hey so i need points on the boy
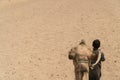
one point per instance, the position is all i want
(95, 73)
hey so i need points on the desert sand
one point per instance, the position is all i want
(36, 35)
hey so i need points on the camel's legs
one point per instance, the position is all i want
(85, 76)
(78, 75)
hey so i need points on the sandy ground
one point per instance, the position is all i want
(36, 35)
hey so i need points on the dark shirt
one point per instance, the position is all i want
(97, 51)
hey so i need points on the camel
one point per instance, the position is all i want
(81, 56)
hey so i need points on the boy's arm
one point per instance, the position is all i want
(98, 59)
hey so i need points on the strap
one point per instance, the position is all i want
(82, 61)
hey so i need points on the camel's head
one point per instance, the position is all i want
(72, 53)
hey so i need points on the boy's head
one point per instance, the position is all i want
(96, 43)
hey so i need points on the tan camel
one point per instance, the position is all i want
(81, 56)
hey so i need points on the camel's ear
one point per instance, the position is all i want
(82, 42)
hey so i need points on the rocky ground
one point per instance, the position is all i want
(36, 35)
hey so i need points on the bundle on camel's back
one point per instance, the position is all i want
(81, 56)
